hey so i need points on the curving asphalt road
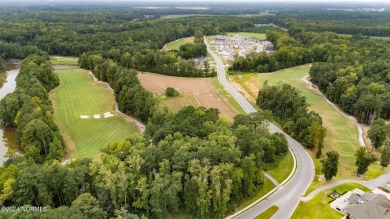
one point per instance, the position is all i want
(288, 196)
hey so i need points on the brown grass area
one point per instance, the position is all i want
(193, 91)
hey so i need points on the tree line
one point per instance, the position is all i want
(29, 110)
(130, 96)
(2, 64)
(192, 160)
(289, 109)
(351, 72)
(127, 39)
(353, 22)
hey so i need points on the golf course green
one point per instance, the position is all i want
(85, 113)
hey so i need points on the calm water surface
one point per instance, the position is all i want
(7, 85)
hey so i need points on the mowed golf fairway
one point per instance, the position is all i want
(341, 135)
(78, 94)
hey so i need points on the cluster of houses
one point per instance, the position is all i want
(357, 204)
(232, 46)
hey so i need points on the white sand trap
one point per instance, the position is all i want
(108, 115)
(84, 116)
(96, 116)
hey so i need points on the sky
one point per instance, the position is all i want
(210, 1)
(204, 2)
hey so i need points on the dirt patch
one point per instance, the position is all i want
(365, 132)
(194, 91)
(321, 178)
(242, 91)
(251, 84)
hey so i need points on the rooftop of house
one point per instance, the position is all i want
(369, 206)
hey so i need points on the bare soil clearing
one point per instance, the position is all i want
(194, 91)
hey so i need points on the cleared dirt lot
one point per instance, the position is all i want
(193, 91)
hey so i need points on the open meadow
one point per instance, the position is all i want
(85, 113)
(342, 134)
(175, 45)
(193, 91)
(63, 60)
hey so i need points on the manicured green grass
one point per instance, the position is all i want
(62, 60)
(229, 97)
(267, 187)
(79, 95)
(175, 45)
(176, 103)
(268, 213)
(341, 135)
(261, 36)
(385, 38)
(176, 16)
(381, 38)
(284, 169)
(319, 206)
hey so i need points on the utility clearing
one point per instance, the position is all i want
(85, 112)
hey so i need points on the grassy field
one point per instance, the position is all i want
(319, 206)
(175, 45)
(373, 37)
(268, 213)
(284, 169)
(381, 38)
(79, 95)
(342, 134)
(176, 16)
(261, 36)
(61, 60)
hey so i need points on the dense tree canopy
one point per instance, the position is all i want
(289, 108)
(191, 160)
(2, 65)
(29, 109)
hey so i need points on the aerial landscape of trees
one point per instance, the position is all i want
(191, 155)
(29, 110)
(289, 108)
(192, 161)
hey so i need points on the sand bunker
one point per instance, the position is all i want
(108, 115)
(98, 116)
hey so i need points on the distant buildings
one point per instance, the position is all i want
(232, 46)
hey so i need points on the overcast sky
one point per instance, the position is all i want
(207, 1)
(204, 2)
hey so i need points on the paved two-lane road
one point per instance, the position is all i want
(288, 196)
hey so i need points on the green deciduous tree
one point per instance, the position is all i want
(363, 160)
(385, 154)
(330, 165)
(378, 133)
